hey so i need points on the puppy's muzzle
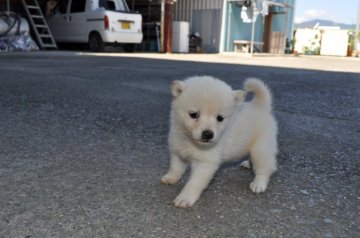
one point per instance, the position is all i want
(207, 135)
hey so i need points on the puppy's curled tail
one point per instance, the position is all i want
(262, 97)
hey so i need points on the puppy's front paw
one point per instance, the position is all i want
(185, 201)
(169, 179)
(259, 184)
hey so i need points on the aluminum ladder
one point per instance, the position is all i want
(39, 25)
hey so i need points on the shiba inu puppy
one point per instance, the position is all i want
(210, 124)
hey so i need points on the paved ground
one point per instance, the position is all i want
(83, 147)
(323, 63)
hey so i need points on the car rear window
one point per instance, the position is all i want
(78, 6)
(114, 5)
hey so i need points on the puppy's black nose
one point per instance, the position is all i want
(207, 135)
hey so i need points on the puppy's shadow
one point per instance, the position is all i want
(221, 173)
(236, 164)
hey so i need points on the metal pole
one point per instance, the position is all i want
(228, 26)
(162, 26)
(357, 32)
(286, 29)
(252, 28)
(148, 23)
(168, 26)
(8, 6)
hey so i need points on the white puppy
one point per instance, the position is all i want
(211, 124)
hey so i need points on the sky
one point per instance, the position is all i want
(344, 11)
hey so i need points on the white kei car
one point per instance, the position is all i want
(95, 22)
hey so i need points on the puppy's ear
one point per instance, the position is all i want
(177, 87)
(239, 95)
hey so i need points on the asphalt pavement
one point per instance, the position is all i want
(83, 145)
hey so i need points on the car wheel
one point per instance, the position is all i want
(95, 43)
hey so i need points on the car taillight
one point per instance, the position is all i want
(106, 22)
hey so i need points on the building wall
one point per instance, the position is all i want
(279, 21)
(219, 31)
(236, 29)
(183, 9)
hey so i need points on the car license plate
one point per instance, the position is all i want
(125, 25)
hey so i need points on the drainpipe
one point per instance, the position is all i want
(357, 32)
(168, 21)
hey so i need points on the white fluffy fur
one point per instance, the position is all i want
(248, 127)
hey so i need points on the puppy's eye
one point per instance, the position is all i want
(194, 115)
(219, 118)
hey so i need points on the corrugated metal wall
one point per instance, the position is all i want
(184, 8)
(208, 24)
(204, 17)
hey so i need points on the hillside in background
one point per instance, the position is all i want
(312, 23)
